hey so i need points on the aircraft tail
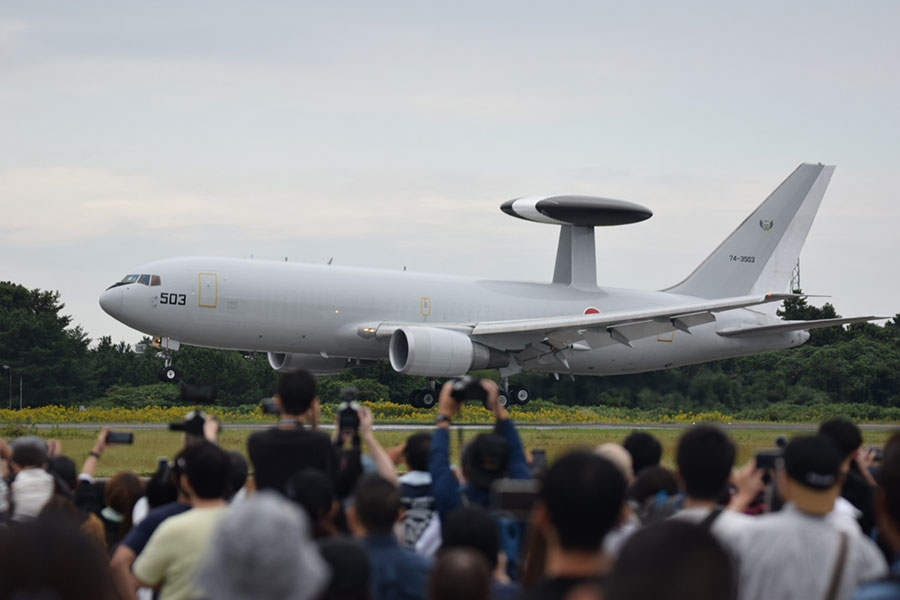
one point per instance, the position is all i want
(759, 256)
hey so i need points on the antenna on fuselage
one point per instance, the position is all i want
(577, 216)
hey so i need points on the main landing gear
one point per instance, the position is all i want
(509, 395)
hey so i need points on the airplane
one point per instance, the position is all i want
(327, 318)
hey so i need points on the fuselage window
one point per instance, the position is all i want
(154, 280)
(129, 279)
(144, 280)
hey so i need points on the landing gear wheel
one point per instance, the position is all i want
(168, 374)
(427, 399)
(503, 399)
(520, 395)
(415, 398)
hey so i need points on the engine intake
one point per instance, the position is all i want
(434, 352)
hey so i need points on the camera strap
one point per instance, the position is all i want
(289, 421)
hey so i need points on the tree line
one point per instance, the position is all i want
(58, 364)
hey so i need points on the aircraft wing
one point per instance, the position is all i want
(793, 326)
(553, 339)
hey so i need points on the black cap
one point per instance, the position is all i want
(485, 459)
(814, 461)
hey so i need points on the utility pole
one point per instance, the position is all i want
(20, 392)
(9, 370)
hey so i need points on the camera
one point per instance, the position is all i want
(514, 496)
(270, 407)
(767, 460)
(196, 393)
(192, 424)
(348, 411)
(120, 437)
(468, 388)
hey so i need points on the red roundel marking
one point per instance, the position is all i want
(591, 311)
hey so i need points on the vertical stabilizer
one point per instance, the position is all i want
(761, 253)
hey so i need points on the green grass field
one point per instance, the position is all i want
(150, 445)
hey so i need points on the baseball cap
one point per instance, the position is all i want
(485, 459)
(813, 461)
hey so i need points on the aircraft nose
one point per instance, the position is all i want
(111, 302)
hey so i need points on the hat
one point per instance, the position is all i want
(262, 549)
(813, 461)
(485, 459)
(617, 455)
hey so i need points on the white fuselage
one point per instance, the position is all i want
(321, 309)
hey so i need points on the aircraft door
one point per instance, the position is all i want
(209, 290)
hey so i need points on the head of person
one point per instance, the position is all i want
(580, 501)
(262, 548)
(51, 557)
(845, 435)
(811, 475)
(237, 473)
(161, 488)
(474, 528)
(204, 470)
(650, 482)
(63, 468)
(887, 497)
(415, 451)
(669, 560)
(460, 574)
(120, 494)
(645, 450)
(705, 457)
(351, 573)
(375, 506)
(313, 491)
(619, 456)
(297, 392)
(29, 452)
(485, 459)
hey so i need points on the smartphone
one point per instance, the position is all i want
(538, 462)
(120, 437)
(162, 464)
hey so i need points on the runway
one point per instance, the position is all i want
(537, 427)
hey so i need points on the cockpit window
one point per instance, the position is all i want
(143, 279)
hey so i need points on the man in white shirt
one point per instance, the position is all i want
(705, 459)
(797, 552)
(171, 557)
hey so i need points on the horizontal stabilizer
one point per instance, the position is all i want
(793, 326)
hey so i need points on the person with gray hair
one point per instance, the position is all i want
(262, 548)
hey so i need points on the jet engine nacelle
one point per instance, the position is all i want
(285, 362)
(435, 352)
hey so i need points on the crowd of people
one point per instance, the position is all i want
(314, 516)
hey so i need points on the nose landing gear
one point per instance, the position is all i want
(167, 348)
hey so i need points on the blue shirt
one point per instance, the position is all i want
(444, 484)
(397, 573)
(888, 589)
(140, 534)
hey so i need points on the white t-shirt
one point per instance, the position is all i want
(728, 527)
(791, 554)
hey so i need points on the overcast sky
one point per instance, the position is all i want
(387, 134)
